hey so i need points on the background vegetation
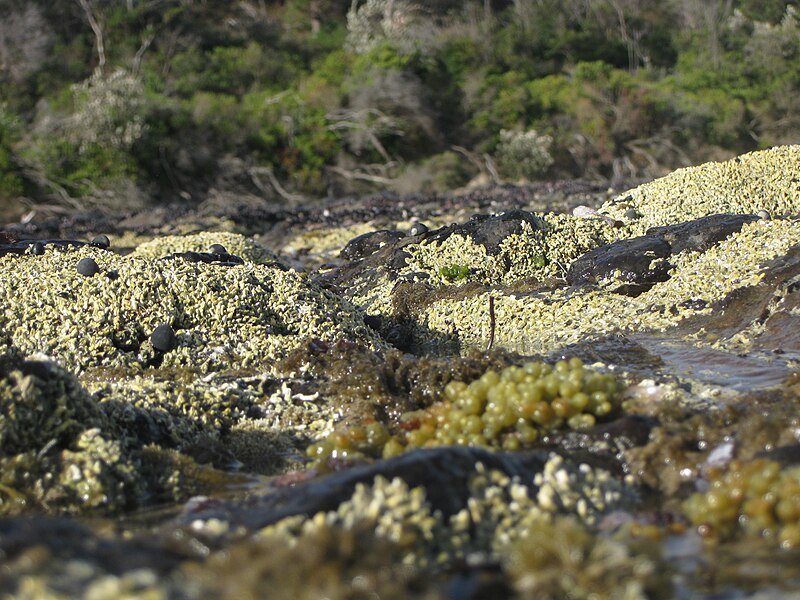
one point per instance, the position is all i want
(120, 103)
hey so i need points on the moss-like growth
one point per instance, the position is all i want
(455, 272)
(506, 410)
(754, 497)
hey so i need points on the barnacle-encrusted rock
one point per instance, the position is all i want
(241, 316)
(232, 243)
(763, 180)
(532, 248)
(57, 448)
(562, 559)
(221, 421)
(641, 262)
(535, 323)
(328, 562)
(498, 509)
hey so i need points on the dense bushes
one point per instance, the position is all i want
(330, 96)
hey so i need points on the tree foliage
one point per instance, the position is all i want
(307, 97)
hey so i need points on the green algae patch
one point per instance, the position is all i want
(541, 322)
(764, 180)
(233, 243)
(243, 316)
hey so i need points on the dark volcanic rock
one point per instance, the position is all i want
(368, 243)
(632, 260)
(641, 262)
(703, 233)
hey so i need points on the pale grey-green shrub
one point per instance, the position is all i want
(523, 154)
(109, 110)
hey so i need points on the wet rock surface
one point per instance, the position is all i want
(156, 417)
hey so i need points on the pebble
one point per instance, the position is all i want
(217, 249)
(163, 338)
(101, 241)
(87, 267)
(764, 214)
(37, 248)
(418, 229)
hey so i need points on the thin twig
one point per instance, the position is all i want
(492, 323)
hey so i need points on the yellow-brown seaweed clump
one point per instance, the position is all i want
(755, 497)
(506, 410)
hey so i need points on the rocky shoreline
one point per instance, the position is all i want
(619, 360)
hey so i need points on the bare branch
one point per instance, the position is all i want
(255, 172)
(98, 33)
(351, 175)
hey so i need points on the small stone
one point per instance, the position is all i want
(101, 241)
(764, 214)
(87, 267)
(163, 338)
(36, 248)
(418, 229)
(217, 249)
(632, 214)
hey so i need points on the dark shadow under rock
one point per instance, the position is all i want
(68, 539)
